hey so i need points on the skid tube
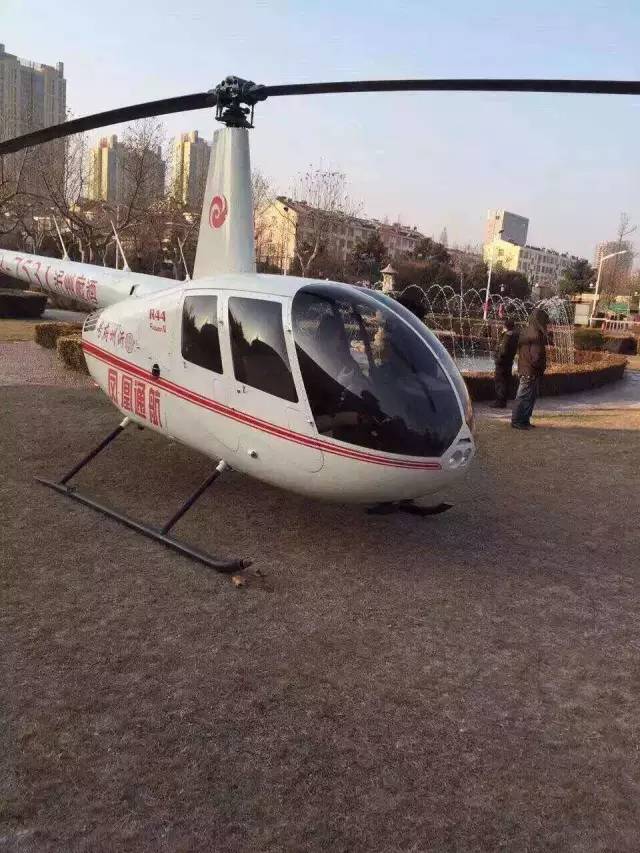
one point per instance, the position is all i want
(159, 534)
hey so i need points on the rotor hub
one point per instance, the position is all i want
(235, 101)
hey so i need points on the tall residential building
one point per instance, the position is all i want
(104, 170)
(32, 95)
(506, 245)
(284, 224)
(120, 175)
(507, 226)
(189, 166)
(617, 268)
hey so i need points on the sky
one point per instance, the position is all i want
(570, 163)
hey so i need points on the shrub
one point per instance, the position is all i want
(47, 334)
(8, 282)
(591, 370)
(69, 351)
(21, 303)
(589, 339)
(623, 344)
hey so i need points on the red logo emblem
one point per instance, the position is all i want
(218, 211)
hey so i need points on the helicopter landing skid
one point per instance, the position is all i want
(159, 534)
(408, 507)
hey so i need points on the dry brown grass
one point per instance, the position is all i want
(47, 334)
(634, 362)
(467, 682)
(69, 351)
(602, 419)
(17, 330)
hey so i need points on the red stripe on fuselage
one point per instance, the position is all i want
(242, 417)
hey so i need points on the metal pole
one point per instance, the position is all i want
(222, 466)
(597, 290)
(493, 249)
(113, 434)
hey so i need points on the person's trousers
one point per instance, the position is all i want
(502, 381)
(525, 400)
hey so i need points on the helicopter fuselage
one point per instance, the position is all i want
(138, 352)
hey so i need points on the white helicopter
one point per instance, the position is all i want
(326, 389)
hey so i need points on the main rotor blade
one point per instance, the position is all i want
(585, 87)
(198, 101)
(249, 93)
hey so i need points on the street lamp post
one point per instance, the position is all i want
(597, 290)
(491, 257)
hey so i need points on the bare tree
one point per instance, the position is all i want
(89, 222)
(324, 209)
(14, 179)
(142, 169)
(615, 277)
(262, 193)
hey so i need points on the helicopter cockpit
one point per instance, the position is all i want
(370, 379)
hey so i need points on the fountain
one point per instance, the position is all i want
(458, 319)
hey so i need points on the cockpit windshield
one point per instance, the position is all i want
(370, 380)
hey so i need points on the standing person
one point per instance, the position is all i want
(504, 355)
(532, 362)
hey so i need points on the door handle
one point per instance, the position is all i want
(155, 371)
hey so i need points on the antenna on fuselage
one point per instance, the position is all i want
(65, 254)
(126, 266)
(187, 277)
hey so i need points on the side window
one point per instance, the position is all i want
(200, 339)
(258, 347)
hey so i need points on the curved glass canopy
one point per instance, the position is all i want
(370, 379)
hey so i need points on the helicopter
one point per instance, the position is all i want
(326, 389)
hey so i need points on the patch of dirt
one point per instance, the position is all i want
(17, 330)
(465, 682)
(27, 363)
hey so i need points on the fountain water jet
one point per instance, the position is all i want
(458, 321)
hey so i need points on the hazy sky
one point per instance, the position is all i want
(570, 163)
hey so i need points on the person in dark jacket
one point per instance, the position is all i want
(532, 362)
(504, 355)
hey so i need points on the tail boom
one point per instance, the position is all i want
(91, 286)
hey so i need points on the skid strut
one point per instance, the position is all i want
(161, 534)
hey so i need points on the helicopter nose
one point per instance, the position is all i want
(460, 455)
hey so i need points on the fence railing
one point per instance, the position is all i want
(632, 326)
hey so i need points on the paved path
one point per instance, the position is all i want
(620, 395)
(27, 363)
(60, 316)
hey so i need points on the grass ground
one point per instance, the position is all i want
(17, 330)
(634, 362)
(466, 682)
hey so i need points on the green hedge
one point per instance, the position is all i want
(8, 282)
(21, 304)
(561, 379)
(70, 352)
(47, 334)
(622, 344)
(588, 339)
